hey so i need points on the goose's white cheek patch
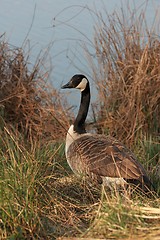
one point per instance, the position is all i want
(82, 84)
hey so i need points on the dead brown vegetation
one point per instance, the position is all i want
(26, 101)
(127, 75)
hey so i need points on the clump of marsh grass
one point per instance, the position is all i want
(26, 99)
(127, 74)
(23, 172)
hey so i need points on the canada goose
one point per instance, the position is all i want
(97, 156)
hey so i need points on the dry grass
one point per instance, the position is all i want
(26, 100)
(127, 74)
(25, 172)
(121, 218)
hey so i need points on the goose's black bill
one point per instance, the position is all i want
(68, 85)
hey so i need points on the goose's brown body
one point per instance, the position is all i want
(97, 156)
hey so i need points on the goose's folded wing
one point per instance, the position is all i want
(106, 157)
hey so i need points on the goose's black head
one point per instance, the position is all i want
(78, 81)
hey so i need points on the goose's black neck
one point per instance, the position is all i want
(79, 123)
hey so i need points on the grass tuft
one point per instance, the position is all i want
(126, 73)
(24, 174)
(27, 101)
